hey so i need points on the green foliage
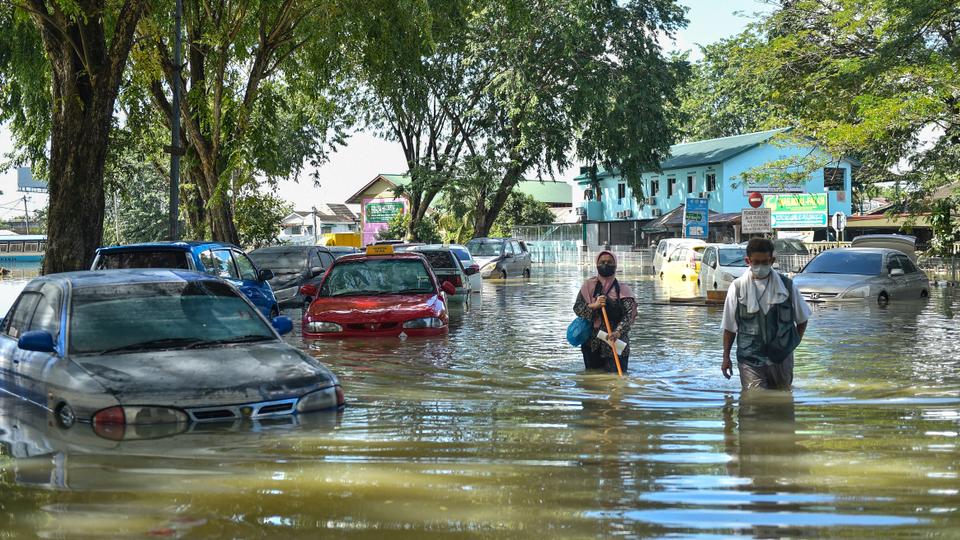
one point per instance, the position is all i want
(137, 192)
(521, 209)
(258, 217)
(946, 226)
(426, 230)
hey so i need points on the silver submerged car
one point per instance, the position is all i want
(876, 274)
(122, 347)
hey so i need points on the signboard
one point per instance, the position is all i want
(797, 211)
(839, 222)
(755, 220)
(376, 215)
(696, 214)
(27, 183)
(772, 187)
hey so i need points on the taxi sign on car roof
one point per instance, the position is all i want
(380, 250)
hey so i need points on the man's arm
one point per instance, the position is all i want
(801, 328)
(727, 366)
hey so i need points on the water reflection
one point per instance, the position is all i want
(495, 430)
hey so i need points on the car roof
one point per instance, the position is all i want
(283, 249)
(98, 278)
(396, 255)
(188, 245)
(865, 250)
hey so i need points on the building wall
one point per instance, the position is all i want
(725, 198)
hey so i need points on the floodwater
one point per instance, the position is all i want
(496, 431)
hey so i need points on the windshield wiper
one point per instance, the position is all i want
(165, 343)
(248, 338)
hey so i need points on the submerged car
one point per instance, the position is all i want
(380, 294)
(448, 267)
(720, 266)
(125, 347)
(666, 246)
(875, 274)
(292, 268)
(683, 264)
(215, 258)
(500, 257)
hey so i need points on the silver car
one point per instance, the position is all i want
(122, 347)
(875, 274)
(501, 257)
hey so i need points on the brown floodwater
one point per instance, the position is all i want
(496, 431)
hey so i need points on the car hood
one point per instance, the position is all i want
(483, 261)
(830, 283)
(735, 271)
(386, 308)
(284, 280)
(242, 373)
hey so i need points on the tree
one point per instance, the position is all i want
(399, 229)
(259, 216)
(569, 78)
(872, 79)
(521, 209)
(261, 91)
(85, 47)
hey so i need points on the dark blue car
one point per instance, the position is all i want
(215, 258)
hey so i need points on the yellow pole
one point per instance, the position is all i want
(616, 357)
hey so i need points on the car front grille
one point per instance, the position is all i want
(372, 327)
(250, 410)
(810, 295)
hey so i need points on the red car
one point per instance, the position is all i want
(380, 294)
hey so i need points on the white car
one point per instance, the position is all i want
(666, 247)
(721, 264)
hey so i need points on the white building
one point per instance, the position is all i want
(305, 227)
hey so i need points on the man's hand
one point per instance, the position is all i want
(727, 366)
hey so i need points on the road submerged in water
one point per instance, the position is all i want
(496, 431)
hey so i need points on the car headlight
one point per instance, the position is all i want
(328, 398)
(427, 322)
(317, 327)
(857, 292)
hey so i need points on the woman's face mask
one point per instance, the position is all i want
(606, 269)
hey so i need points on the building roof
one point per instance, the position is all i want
(392, 181)
(547, 191)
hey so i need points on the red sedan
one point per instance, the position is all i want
(378, 294)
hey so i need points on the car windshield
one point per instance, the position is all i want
(845, 262)
(151, 316)
(114, 260)
(440, 260)
(733, 257)
(485, 248)
(280, 261)
(376, 277)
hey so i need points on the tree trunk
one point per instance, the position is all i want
(84, 92)
(191, 200)
(484, 220)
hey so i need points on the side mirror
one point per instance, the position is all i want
(37, 340)
(309, 290)
(448, 288)
(470, 270)
(283, 325)
(508, 255)
(265, 275)
(896, 272)
(316, 271)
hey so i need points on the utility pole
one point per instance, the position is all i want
(315, 237)
(26, 217)
(175, 150)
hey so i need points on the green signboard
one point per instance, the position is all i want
(382, 212)
(797, 210)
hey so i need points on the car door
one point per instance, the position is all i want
(915, 281)
(708, 269)
(248, 280)
(896, 285)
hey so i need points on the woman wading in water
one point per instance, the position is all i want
(604, 291)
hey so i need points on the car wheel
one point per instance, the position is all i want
(924, 293)
(503, 274)
(683, 277)
(526, 273)
(661, 276)
(883, 299)
(715, 286)
(274, 312)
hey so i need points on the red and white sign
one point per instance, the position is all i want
(755, 199)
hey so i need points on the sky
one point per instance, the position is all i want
(365, 156)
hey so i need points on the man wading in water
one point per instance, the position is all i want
(605, 291)
(767, 316)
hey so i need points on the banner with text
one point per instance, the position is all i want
(797, 210)
(376, 215)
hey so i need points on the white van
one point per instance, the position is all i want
(667, 245)
(721, 264)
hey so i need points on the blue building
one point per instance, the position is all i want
(713, 169)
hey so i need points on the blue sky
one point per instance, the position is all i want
(366, 156)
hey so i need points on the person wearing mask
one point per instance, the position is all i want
(605, 291)
(767, 316)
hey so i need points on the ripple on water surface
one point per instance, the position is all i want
(495, 430)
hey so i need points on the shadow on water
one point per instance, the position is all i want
(495, 430)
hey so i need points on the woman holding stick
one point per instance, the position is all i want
(600, 294)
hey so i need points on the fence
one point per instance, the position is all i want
(941, 267)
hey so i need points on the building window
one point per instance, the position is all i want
(711, 182)
(654, 188)
(621, 191)
(690, 185)
(671, 186)
(833, 178)
(295, 230)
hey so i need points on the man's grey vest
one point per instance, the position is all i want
(770, 337)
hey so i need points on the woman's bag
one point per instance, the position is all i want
(579, 331)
